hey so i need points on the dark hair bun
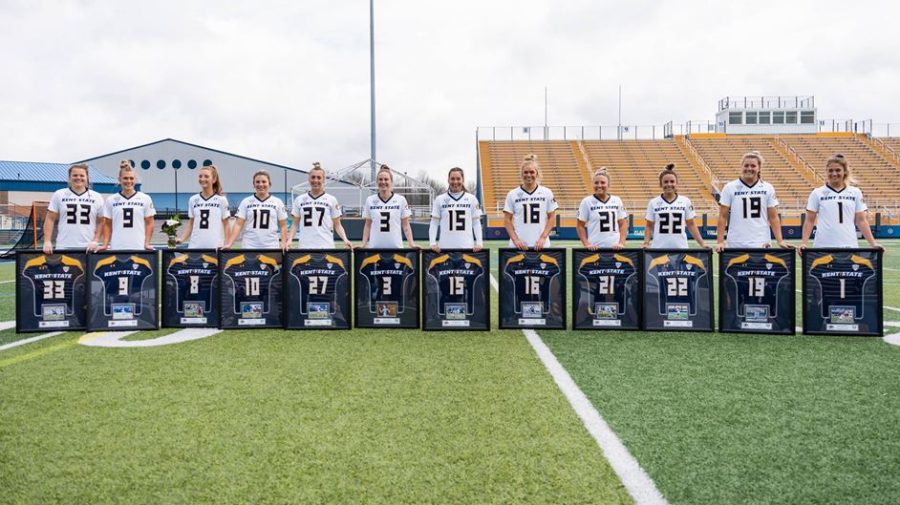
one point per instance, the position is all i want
(670, 166)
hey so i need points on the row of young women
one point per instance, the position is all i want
(125, 220)
(747, 208)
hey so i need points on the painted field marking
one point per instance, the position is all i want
(38, 353)
(7, 282)
(636, 481)
(114, 338)
(37, 338)
(5, 325)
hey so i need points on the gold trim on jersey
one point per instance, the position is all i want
(859, 260)
(740, 259)
(549, 259)
(662, 260)
(105, 261)
(437, 261)
(141, 261)
(472, 259)
(370, 260)
(335, 260)
(824, 260)
(237, 260)
(775, 259)
(692, 260)
(515, 259)
(301, 260)
(267, 260)
(623, 259)
(403, 260)
(590, 259)
(36, 262)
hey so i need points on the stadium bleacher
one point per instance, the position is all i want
(794, 165)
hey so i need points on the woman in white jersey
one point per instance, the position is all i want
(208, 213)
(263, 215)
(602, 219)
(129, 214)
(317, 214)
(837, 208)
(457, 214)
(669, 215)
(386, 213)
(529, 210)
(748, 208)
(80, 208)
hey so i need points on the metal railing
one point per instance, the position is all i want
(767, 102)
(800, 160)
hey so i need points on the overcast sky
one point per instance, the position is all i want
(288, 82)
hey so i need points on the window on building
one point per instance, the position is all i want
(807, 117)
(790, 117)
(192, 164)
(145, 164)
(765, 117)
(176, 164)
(735, 117)
(778, 117)
(751, 117)
(160, 164)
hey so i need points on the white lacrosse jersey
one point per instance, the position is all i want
(670, 221)
(602, 219)
(315, 216)
(78, 215)
(127, 215)
(836, 220)
(457, 214)
(529, 212)
(748, 217)
(386, 217)
(208, 230)
(261, 217)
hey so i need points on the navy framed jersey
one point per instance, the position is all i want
(250, 283)
(457, 284)
(606, 292)
(842, 292)
(50, 291)
(123, 290)
(757, 291)
(387, 288)
(678, 290)
(317, 289)
(533, 288)
(190, 288)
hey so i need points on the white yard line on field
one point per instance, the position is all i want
(7, 282)
(29, 340)
(5, 325)
(636, 481)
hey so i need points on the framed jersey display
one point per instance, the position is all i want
(190, 290)
(533, 288)
(756, 291)
(387, 288)
(457, 295)
(123, 290)
(250, 282)
(50, 291)
(842, 292)
(317, 289)
(606, 293)
(678, 290)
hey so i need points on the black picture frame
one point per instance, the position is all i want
(27, 318)
(341, 317)
(271, 318)
(813, 323)
(408, 317)
(480, 318)
(633, 318)
(556, 318)
(785, 322)
(148, 315)
(173, 313)
(677, 321)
